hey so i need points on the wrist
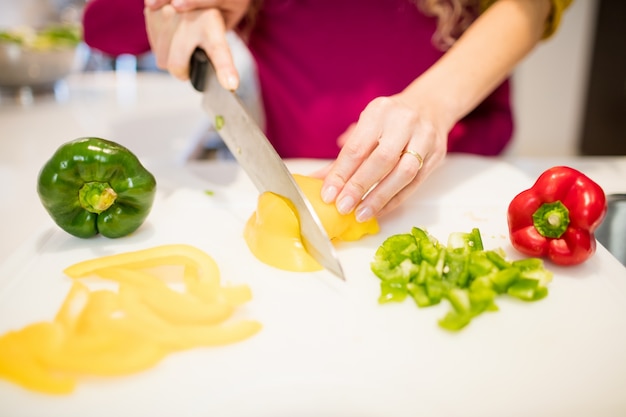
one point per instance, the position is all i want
(431, 100)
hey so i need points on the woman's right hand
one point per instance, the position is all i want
(175, 28)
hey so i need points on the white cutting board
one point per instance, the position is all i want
(327, 348)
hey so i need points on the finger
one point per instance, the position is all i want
(362, 140)
(160, 27)
(217, 48)
(382, 160)
(187, 5)
(343, 138)
(204, 28)
(155, 4)
(390, 191)
(183, 43)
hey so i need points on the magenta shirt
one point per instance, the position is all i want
(321, 61)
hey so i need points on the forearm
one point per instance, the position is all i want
(481, 59)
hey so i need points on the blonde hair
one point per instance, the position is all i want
(453, 18)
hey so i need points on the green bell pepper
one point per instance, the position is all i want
(92, 185)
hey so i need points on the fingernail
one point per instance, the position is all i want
(363, 214)
(177, 3)
(345, 205)
(329, 194)
(231, 82)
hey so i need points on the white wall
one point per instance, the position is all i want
(550, 87)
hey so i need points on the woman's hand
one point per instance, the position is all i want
(384, 157)
(378, 167)
(176, 28)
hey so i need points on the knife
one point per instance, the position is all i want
(258, 158)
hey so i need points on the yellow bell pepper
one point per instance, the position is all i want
(273, 231)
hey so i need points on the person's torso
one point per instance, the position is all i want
(320, 62)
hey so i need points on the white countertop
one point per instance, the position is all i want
(327, 347)
(157, 117)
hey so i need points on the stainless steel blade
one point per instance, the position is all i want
(259, 159)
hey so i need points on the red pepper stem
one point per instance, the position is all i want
(551, 219)
(96, 197)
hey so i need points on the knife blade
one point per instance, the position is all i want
(258, 158)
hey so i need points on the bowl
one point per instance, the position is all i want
(25, 67)
(37, 57)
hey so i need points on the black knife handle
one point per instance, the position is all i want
(198, 67)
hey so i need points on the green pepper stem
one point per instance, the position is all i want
(96, 197)
(551, 219)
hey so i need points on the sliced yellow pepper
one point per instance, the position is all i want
(273, 235)
(273, 231)
(172, 305)
(175, 254)
(342, 227)
(109, 333)
(70, 310)
(176, 336)
(21, 354)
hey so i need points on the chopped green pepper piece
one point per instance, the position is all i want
(503, 279)
(418, 292)
(457, 268)
(466, 242)
(480, 264)
(527, 290)
(460, 300)
(434, 288)
(482, 299)
(392, 291)
(497, 259)
(429, 248)
(219, 122)
(454, 321)
(528, 264)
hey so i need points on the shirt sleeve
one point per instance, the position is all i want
(553, 20)
(115, 27)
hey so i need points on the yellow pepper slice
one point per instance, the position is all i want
(21, 354)
(175, 336)
(123, 353)
(169, 304)
(72, 306)
(174, 254)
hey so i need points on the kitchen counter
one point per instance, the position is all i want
(326, 346)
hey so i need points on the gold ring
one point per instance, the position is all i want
(416, 155)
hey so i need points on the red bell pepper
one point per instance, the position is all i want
(557, 216)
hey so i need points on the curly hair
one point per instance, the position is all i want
(453, 18)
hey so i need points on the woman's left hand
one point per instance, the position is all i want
(384, 157)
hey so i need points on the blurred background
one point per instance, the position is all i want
(569, 94)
